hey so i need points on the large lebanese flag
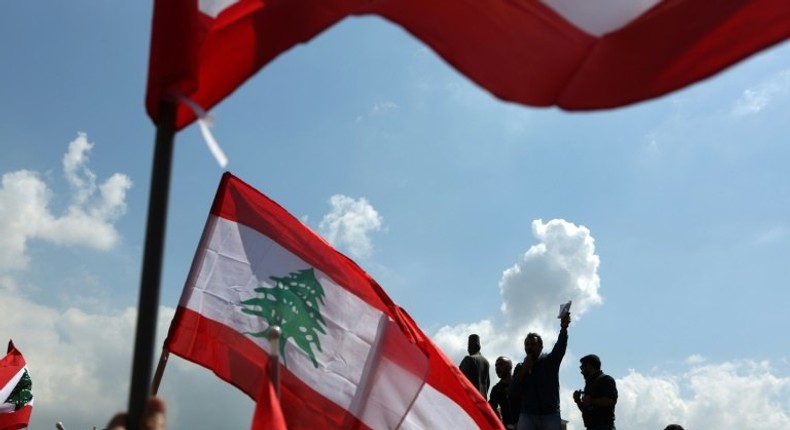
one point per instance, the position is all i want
(350, 357)
(16, 399)
(575, 54)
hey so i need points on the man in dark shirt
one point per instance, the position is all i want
(475, 366)
(536, 382)
(499, 400)
(599, 397)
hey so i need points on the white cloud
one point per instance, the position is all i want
(25, 211)
(349, 224)
(724, 396)
(562, 266)
(754, 100)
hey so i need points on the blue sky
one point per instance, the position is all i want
(667, 222)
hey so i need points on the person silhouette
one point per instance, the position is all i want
(475, 367)
(536, 382)
(599, 397)
(499, 400)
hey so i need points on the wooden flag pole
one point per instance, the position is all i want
(148, 303)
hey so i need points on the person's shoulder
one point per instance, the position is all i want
(603, 379)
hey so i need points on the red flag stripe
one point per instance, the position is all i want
(17, 419)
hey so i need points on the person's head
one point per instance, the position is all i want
(533, 345)
(504, 367)
(590, 365)
(473, 346)
(674, 427)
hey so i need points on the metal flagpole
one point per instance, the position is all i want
(274, 358)
(160, 370)
(148, 303)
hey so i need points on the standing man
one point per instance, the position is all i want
(499, 400)
(536, 382)
(475, 366)
(599, 396)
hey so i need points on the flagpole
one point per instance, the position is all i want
(148, 303)
(274, 358)
(160, 370)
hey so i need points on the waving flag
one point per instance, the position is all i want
(15, 386)
(351, 358)
(575, 54)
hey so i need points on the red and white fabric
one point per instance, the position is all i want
(373, 368)
(575, 54)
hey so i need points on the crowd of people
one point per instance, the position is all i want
(528, 397)
(524, 398)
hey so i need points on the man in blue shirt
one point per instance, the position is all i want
(536, 382)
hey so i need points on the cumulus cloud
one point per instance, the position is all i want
(26, 212)
(726, 396)
(754, 100)
(562, 266)
(349, 224)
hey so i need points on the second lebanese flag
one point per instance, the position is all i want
(574, 54)
(16, 398)
(351, 358)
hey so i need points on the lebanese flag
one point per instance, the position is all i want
(350, 357)
(575, 54)
(15, 386)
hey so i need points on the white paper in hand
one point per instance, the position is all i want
(564, 309)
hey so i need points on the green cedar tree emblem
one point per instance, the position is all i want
(21, 395)
(292, 303)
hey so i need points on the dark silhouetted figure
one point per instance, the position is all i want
(674, 427)
(536, 382)
(498, 399)
(475, 366)
(597, 400)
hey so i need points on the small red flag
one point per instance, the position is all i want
(16, 399)
(268, 414)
